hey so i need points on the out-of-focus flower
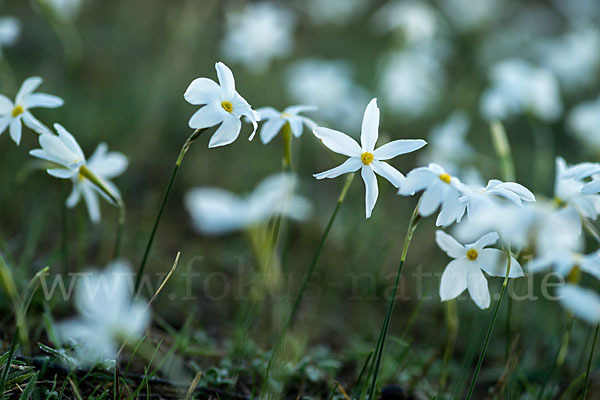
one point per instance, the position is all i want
(216, 211)
(440, 189)
(467, 15)
(222, 105)
(565, 261)
(258, 34)
(107, 315)
(366, 158)
(10, 29)
(334, 12)
(568, 192)
(89, 178)
(274, 120)
(583, 303)
(584, 123)
(13, 115)
(519, 87)
(328, 85)
(465, 271)
(416, 20)
(447, 145)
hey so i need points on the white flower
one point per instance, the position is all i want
(366, 158)
(13, 115)
(583, 303)
(107, 314)
(222, 105)
(465, 271)
(416, 20)
(440, 189)
(217, 211)
(569, 191)
(275, 120)
(584, 123)
(10, 29)
(89, 178)
(565, 261)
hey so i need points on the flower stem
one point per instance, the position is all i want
(286, 134)
(184, 150)
(120, 227)
(490, 329)
(589, 365)
(64, 231)
(412, 225)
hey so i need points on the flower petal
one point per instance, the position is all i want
(42, 100)
(74, 197)
(270, 129)
(431, 198)
(370, 127)
(371, 189)
(28, 86)
(105, 164)
(478, 286)
(416, 180)
(215, 211)
(202, 91)
(299, 108)
(4, 122)
(209, 115)
(91, 201)
(486, 240)
(295, 126)
(6, 105)
(494, 262)
(584, 303)
(226, 79)
(450, 245)
(69, 141)
(350, 165)
(34, 124)
(15, 130)
(268, 113)
(398, 147)
(450, 210)
(227, 132)
(454, 279)
(338, 142)
(390, 173)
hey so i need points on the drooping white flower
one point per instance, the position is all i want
(274, 120)
(583, 122)
(10, 29)
(107, 314)
(13, 115)
(465, 271)
(440, 189)
(569, 191)
(366, 158)
(221, 105)
(583, 303)
(564, 261)
(89, 178)
(216, 211)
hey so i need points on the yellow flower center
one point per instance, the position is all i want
(227, 106)
(559, 203)
(285, 115)
(446, 179)
(18, 110)
(472, 254)
(366, 157)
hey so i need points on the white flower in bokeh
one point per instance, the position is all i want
(467, 15)
(107, 315)
(334, 12)
(519, 87)
(465, 271)
(14, 115)
(274, 120)
(568, 192)
(221, 105)
(258, 34)
(440, 190)
(416, 20)
(584, 123)
(564, 261)
(10, 29)
(583, 303)
(216, 211)
(369, 160)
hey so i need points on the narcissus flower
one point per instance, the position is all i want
(583, 303)
(564, 262)
(465, 271)
(13, 115)
(571, 192)
(275, 120)
(222, 105)
(366, 158)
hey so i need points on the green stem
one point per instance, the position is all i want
(184, 150)
(120, 227)
(64, 231)
(414, 220)
(490, 330)
(589, 365)
(9, 359)
(286, 134)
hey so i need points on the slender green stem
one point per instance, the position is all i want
(502, 148)
(64, 231)
(182, 153)
(286, 134)
(120, 227)
(490, 329)
(589, 365)
(412, 225)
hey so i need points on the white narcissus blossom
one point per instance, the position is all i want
(221, 105)
(583, 303)
(369, 160)
(13, 115)
(440, 189)
(565, 261)
(216, 211)
(89, 178)
(107, 314)
(465, 271)
(572, 192)
(274, 120)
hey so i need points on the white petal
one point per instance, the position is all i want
(61, 173)
(478, 286)
(486, 240)
(370, 127)
(4, 122)
(226, 79)
(454, 279)
(350, 165)
(295, 126)
(371, 189)
(91, 201)
(6, 105)
(390, 173)
(227, 132)
(28, 86)
(34, 124)
(105, 164)
(450, 245)
(74, 197)
(270, 129)
(215, 211)
(15, 130)
(299, 108)
(450, 210)
(42, 100)
(416, 180)
(338, 142)
(268, 113)
(398, 147)
(68, 139)
(584, 303)
(591, 264)
(202, 91)
(494, 262)
(592, 187)
(209, 115)
(431, 198)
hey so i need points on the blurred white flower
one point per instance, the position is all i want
(468, 15)
(584, 123)
(258, 34)
(366, 158)
(10, 29)
(440, 190)
(465, 271)
(334, 12)
(13, 115)
(221, 105)
(415, 19)
(568, 192)
(107, 314)
(216, 211)
(519, 87)
(583, 303)
(565, 261)
(89, 178)
(274, 120)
